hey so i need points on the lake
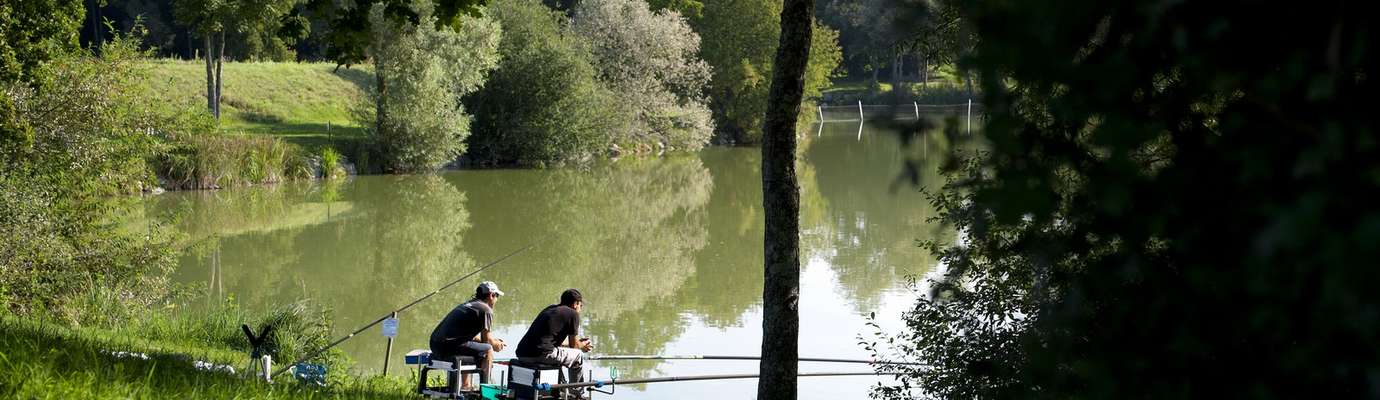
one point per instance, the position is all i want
(667, 251)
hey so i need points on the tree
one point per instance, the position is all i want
(1168, 208)
(421, 73)
(650, 61)
(347, 34)
(739, 39)
(33, 32)
(212, 18)
(781, 201)
(544, 103)
(72, 138)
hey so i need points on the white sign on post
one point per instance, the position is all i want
(390, 327)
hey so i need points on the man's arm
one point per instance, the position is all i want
(485, 337)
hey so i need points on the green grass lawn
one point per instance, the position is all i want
(304, 103)
(42, 361)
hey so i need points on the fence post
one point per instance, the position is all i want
(821, 114)
(388, 351)
(970, 116)
(917, 110)
(860, 114)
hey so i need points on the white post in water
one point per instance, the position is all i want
(821, 122)
(860, 114)
(970, 116)
(917, 110)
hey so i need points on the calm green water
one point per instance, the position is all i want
(667, 251)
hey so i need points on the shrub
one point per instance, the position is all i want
(651, 62)
(417, 120)
(544, 103)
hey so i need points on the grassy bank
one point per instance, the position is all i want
(305, 103)
(41, 361)
(101, 353)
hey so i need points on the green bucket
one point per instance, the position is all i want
(491, 391)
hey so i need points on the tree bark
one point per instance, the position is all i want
(220, 59)
(781, 202)
(897, 91)
(925, 72)
(381, 96)
(210, 78)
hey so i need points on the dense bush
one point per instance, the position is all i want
(651, 62)
(544, 104)
(422, 70)
(73, 138)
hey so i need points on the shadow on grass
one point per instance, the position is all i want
(41, 361)
(362, 79)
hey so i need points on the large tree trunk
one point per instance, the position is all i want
(925, 71)
(380, 100)
(781, 201)
(897, 90)
(220, 59)
(210, 78)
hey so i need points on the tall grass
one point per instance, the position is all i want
(213, 161)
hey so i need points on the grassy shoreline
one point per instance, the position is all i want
(50, 359)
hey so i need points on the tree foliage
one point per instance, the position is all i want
(33, 32)
(544, 104)
(1175, 203)
(739, 41)
(348, 27)
(70, 142)
(650, 61)
(422, 71)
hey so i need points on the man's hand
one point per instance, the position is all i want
(499, 345)
(586, 345)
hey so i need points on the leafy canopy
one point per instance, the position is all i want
(1175, 202)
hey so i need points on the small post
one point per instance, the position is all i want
(821, 114)
(267, 366)
(970, 116)
(390, 332)
(917, 110)
(860, 114)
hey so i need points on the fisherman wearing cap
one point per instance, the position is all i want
(465, 331)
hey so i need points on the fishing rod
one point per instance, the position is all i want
(409, 305)
(749, 358)
(600, 383)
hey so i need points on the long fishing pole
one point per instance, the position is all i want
(802, 359)
(409, 305)
(601, 383)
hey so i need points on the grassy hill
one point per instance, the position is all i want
(295, 101)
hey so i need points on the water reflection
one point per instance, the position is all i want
(667, 251)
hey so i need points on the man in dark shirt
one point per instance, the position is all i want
(465, 331)
(553, 336)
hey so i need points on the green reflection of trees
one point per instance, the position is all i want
(868, 232)
(625, 234)
(728, 273)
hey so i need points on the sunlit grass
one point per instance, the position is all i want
(306, 103)
(42, 359)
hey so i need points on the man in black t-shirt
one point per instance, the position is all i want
(465, 331)
(553, 336)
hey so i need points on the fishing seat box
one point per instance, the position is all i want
(453, 368)
(524, 375)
